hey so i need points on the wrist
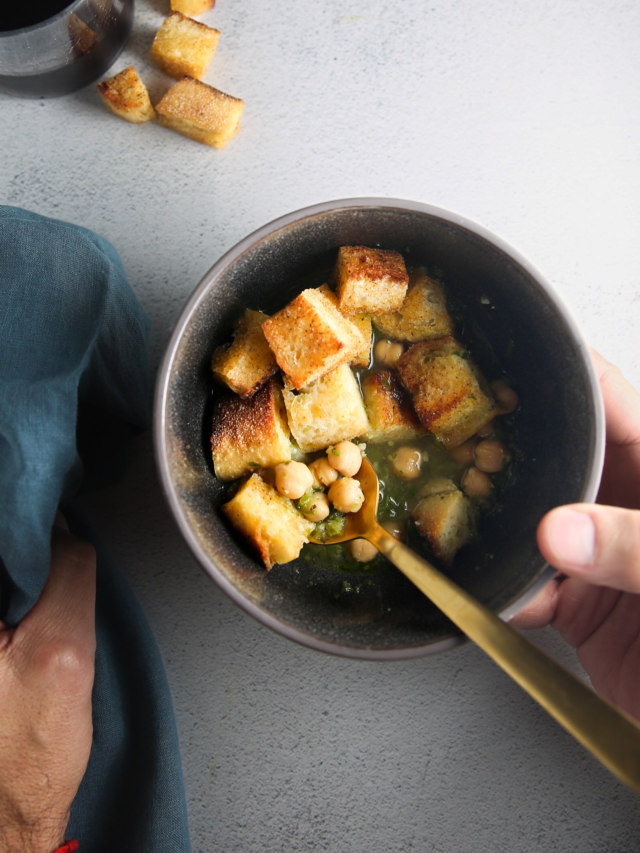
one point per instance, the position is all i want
(47, 838)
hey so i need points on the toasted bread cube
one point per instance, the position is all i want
(327, 411)
(446, 519)
(389, 408)
(192, 7)
(200, 112)
(447, 390)
(269, 521)
(310, 337)
(83, 39)
(422, 316)
(363, 322)
(249, 434)
(126, 95)
(183, 47)
(370, 281)
(324, 288)
(248, 362)
(438, 485)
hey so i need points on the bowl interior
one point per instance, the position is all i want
(514, 327)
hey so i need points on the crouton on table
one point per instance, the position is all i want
(370, 281)
(183, 47)
(200, 112)
(126, 95)
(192, 7)
(269, 521)
(310, 337)
(326, 411)
(446, 389)
(83, 39)
(248, 362)
(249, 434)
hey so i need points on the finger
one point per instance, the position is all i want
(600, 544)
(60, 521)
(540, 611)
(622, 456)
(621, 402)
(66, 607)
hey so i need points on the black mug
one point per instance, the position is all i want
(53, 47)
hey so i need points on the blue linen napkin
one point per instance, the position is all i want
(74, 381)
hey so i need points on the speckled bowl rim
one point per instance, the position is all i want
(591, 482)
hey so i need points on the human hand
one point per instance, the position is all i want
(595, 602)
(46, 679)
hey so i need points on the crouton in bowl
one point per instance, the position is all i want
(494, 323)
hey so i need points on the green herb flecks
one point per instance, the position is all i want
(333, 525)
(308, 501)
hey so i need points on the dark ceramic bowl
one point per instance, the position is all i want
(515, 324)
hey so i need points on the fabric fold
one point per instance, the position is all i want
(74, 383)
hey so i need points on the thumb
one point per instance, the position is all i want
(600, 544)
(65, 612)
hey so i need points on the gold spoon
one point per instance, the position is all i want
(611, 735)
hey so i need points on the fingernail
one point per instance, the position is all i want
(572, 537)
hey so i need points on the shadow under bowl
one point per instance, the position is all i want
(514, 325)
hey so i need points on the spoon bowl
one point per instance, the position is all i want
(359, 524)
(609, 734)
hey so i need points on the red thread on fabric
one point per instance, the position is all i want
(68, 847)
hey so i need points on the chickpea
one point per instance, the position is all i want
(293, 479)
(322, 472)
(362, 550)
(505, 395)
(485, 430)
(475, 483)
(317, 508)
(387, 352)
(463, 453)
(406, 462)
(491, 456)
(345, 457)
(346, 495)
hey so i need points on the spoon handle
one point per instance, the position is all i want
(609, 734)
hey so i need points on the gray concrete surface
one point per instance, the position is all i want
(524, 117)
